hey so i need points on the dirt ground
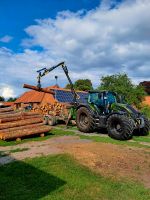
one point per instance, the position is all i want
(107, 159)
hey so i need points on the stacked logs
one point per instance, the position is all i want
(56, 109)
(14, 125)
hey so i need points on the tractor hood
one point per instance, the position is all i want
(126, 108)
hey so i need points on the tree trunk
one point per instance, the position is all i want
(21, 123)
(21, 127)
(19, 114)
(38, 89)
(11, 119)
(6, 109)
(25, 132)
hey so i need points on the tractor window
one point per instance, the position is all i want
(93, 97)
(96, 98)
(111, 98)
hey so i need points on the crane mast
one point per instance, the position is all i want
(44, 71)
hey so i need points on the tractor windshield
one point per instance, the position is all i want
(104, 98)
(113, 97)
(95, 98)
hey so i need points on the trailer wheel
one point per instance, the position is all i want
(52, 121)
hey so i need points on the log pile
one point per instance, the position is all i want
(56, 109)
(15, 125)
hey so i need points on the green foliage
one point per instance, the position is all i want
(120, 83)
(11, 99)
(82, 84)
(2, 98)
(68, 86)
(146, 111)
(61, 177)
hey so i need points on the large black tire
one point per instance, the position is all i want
(120, 127)
(84, 120)
(145, 130)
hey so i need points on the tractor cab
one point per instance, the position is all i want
(103, 100)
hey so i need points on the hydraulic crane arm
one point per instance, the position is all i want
(44, 71)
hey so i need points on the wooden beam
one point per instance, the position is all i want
(38, 89)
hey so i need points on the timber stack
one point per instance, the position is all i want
(14, 125)
(56, 109)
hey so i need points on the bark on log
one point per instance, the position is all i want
(21, 127)
(20, 123)
(25, 132)
(38, 89)
(7, 113)
(18, 114)
(17, 118)
(6, 109)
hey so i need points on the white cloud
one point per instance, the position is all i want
(6, 91)
(93, 44)
(6, 39)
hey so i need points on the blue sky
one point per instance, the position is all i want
(16, 15)
(95, 38)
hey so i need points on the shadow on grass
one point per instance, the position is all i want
(21, 181)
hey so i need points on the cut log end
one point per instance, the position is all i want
(42, 135)
(18, 139)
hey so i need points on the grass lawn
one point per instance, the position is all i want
(61, 178)
(60, 131)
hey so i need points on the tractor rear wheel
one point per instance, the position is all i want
(120, 127)
(84, 120)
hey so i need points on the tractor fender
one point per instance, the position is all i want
(118, 113)
(87, 107)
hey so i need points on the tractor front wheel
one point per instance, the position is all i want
(120, 127)
(145, 130)
(84, 120)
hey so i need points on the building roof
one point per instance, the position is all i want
(61, 95)
(147, 100)
(33, 96)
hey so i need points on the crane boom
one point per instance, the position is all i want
(44, 71)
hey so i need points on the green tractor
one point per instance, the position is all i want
(103, 109)
(108, 110)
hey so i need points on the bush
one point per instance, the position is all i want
(121, 84)
(146, 111)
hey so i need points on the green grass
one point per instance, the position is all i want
(112, 141)
(53, 133)
(18, 150)
(3, 153)
(62, 178)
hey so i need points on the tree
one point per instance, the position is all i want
(81, 84)
(11, 99)
(2, 98)
(68, 86)
(121, 84)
